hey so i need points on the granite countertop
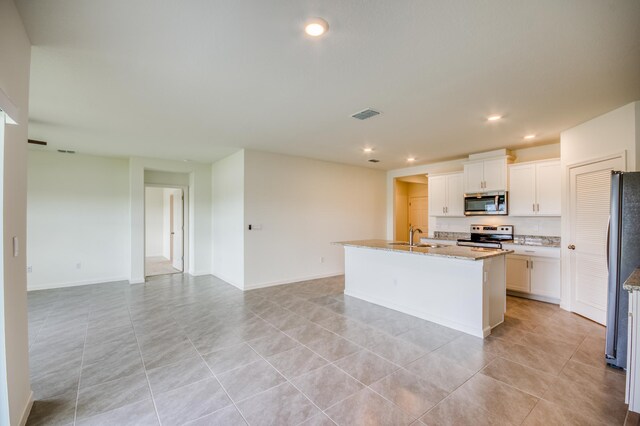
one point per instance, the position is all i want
(522, 240)
(455, 252)
(633, 282)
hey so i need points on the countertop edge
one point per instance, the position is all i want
(418, 252)
(633, 282)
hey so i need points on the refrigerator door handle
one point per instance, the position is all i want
(608, 239)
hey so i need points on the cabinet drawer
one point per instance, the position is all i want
(552, 252)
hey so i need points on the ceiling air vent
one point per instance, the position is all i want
(364, 114)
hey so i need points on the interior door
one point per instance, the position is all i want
(589, 216)
(419, 213)
(177, 210)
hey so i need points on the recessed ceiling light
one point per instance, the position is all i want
(368, 150)
(410, 159)
(494, 117)
(316, 27)
(528, 137)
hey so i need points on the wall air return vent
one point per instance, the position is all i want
(364, 114)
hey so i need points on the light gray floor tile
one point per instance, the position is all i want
(367, 406)
(327, 385)
(58, 410)
(108, 396)
(163, 352)
(228, 416)
(191, 402)
(333, 347)
(230, 358)
(250, 379)
(408, 391)
(111, 369)
(398, 351)
(296, 362)
(139, 413)
(179, 374)
(271, 345)
(366, 366)
(282, 405)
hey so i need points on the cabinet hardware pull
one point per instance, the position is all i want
(531, 264)
(527, 264)
(534, 207)
(571, 247)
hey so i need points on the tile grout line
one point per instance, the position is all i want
(84, 346)
(144, 367)
(333, 363)
(215, 377)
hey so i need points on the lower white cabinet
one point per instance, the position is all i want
(536, 276)
(633, 358)
(518, 276)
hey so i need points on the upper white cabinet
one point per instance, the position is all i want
(446, 195)
(486, 175)
(534, 189)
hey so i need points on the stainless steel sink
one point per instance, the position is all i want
(417, 245)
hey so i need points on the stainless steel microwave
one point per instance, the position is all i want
(486, 203)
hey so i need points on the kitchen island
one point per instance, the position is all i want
(463, 288)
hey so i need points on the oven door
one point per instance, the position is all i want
(490, 203)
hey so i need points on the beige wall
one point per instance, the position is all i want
(303, 206)
(611, 134)
(401, 211)
(78, 213)
(15, 51)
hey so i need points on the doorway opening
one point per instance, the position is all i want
(411, 206)
(164, 230)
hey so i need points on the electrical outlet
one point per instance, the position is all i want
(29, 269)
(78, 265)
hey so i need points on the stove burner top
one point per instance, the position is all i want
(488, 236)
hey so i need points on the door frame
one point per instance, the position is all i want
(567, 291)
(185, 223)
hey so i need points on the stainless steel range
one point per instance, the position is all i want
(488, 236)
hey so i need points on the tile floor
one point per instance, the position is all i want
(196, 350)
(156, 265)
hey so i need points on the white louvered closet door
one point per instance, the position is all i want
(589, 216)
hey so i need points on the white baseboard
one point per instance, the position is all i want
(27, 410)
(534, 297)
(228, 281)
(199, 273)
(293, 280)
(48, 286)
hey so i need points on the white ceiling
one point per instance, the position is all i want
(199, 79)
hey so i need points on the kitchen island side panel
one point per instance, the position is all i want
(446, 291)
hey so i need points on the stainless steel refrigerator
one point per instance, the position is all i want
(623, 258)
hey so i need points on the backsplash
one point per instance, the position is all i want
(530, 240)
(522, 226)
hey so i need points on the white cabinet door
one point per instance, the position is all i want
(548, 178)
(495, 175)
(473, 177)
(545, 276)
(455, 195)
(522, 190)
(518, 273)
(437, 195)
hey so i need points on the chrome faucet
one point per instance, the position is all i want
(411, 232)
